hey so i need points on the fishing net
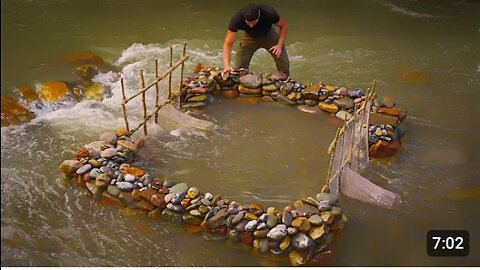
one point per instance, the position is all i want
(349, 158)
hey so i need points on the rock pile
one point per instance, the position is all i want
(385, 129)
(302, 230)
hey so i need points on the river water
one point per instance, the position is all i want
(425, 54)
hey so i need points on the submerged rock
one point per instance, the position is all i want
(13, 113)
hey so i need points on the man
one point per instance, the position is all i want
(256, 21)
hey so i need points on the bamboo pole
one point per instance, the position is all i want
(181, 73)
(124, 108)
(157, 90)
(170, 75)
(333, 146)
(183, 59)
(353, 135)
(144, 103)
(341, 157)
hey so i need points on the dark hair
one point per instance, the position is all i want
(250, 12)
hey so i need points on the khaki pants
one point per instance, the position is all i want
(249, 45)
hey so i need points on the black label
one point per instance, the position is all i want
(448, 243)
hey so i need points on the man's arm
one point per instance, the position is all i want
(227, 51)
(283, 27)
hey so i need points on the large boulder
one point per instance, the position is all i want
(95, 92)
(251, 81)
(84, 58)
(86, 72)
(13, 113)
(383, 149)
(27, 93)
(53, 91)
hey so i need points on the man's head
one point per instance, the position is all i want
(251, 15)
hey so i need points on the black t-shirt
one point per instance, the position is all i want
(268, 16)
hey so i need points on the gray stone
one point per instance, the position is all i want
(264, 245)
(205, 202)
(357, 93)
(251, 226)
(287, 218)
(241, 225)
(94, 172)
(168, 197)
(179, 188)
(84, 169)
(238, 217)
(278, 232)
(208, 196)
(323, 206)
(175, 208)
(261, 226)
(124, 186)
(284, 100)
(113, 190)
(129, 178)
(344, 115)
(109, 137)
(301, 241)
(251, 81)
(306, 210)
(292, 230)
(272, 220)
(177, 198)
(219, 219)
(108, 153)
(330, 198)
(315, 220)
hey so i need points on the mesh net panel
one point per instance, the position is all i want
(350, 158)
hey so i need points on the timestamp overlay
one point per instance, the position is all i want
(448, 243)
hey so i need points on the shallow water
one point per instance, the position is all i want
(424, 54)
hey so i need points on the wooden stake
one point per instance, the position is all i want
(160, 78)
(144, 104)
(170, 75)
(331, 150)
(156, 88)
(124, 108)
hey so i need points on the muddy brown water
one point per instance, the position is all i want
(424, 55)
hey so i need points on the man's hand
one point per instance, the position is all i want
(225, 70)
(276, 50)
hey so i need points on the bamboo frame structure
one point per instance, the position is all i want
(333, 145)
(144, 103)
(142, 91)
(156, 89)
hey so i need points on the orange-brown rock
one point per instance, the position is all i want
(27, 93)
(246, 238)
(158, 200)
(82, 152)
(124, 168)
(136, 195)
(13, 113)
(145, 205)
(84, 57)
(185, 202)
(383, 149)
(137, 172)
(245, 90)
(147, 193)
(111, 201)
(121, 131)
(390, 111)
(232, 93)
(52, 91)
